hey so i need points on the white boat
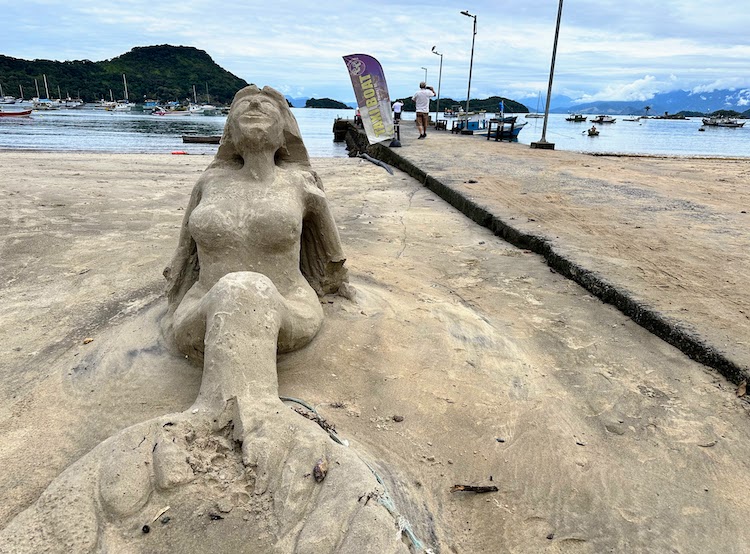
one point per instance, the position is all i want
(6, 99)
(203, 109)
(536, 115)
(636, 118)
(44, 104)
(124, 105)
(603, 119)
(721, 122)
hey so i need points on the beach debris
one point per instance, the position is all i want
(145, 529)
(474, 488)
(161, 513)
(377, 162)
(742, 389)
(321, 469)
(88, 340)
(398, 418)
(325, 425)
(215, 517)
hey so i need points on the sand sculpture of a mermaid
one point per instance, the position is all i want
(258, 246)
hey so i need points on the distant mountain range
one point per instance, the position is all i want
(670, 102)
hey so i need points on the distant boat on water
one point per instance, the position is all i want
(536, 115)
(6, 99)
(16, 113)
(603, 119)
(576, 118)
(201, 139)
(722, 122)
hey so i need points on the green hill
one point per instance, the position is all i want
(326, 103)
(163, 73)
(490, 104)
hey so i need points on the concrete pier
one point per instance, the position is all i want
(665, 240)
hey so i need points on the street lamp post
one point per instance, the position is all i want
(542, 142)
(425, 74)
(440, 77)
(471, 62)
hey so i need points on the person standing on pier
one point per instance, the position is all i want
(397, 106)
(422, 101)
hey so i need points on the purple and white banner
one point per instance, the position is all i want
(371, 92)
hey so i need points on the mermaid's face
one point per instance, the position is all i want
(258, 118)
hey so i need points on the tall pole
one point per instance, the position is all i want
(471, 61)
(542, 143)
(440, 78)
(425, 74)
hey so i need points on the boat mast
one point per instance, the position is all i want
(195, 96)
(125, 82)
(208, 96)
(46, 88)
(36, 83)
(20, 87)
(2, 94)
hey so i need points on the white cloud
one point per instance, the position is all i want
(607, 50)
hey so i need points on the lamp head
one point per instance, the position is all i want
(466, 13)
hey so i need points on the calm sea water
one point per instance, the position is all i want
(100, 131)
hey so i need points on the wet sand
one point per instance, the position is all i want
(599, 435)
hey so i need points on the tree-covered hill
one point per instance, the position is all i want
(166, 73)
(326, 103)
(491, 104)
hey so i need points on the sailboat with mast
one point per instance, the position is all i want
(43, 103)
(124, 105)
(6, 99)
(202, 109)
(536, 115)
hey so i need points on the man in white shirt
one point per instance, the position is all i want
(397, 105)
(422, 100)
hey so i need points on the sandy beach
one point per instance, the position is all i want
(600, 436)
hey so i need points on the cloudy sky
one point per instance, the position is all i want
(607, 50)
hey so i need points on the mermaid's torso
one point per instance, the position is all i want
(238, 227)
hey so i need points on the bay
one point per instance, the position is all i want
(101, 131)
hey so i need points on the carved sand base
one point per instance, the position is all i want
(181, 483)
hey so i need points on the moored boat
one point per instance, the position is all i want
(722, 122)
(576, 118)
(203, 109)
(500, 130)
(16, 113)
(201, 139)
(603, 119)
